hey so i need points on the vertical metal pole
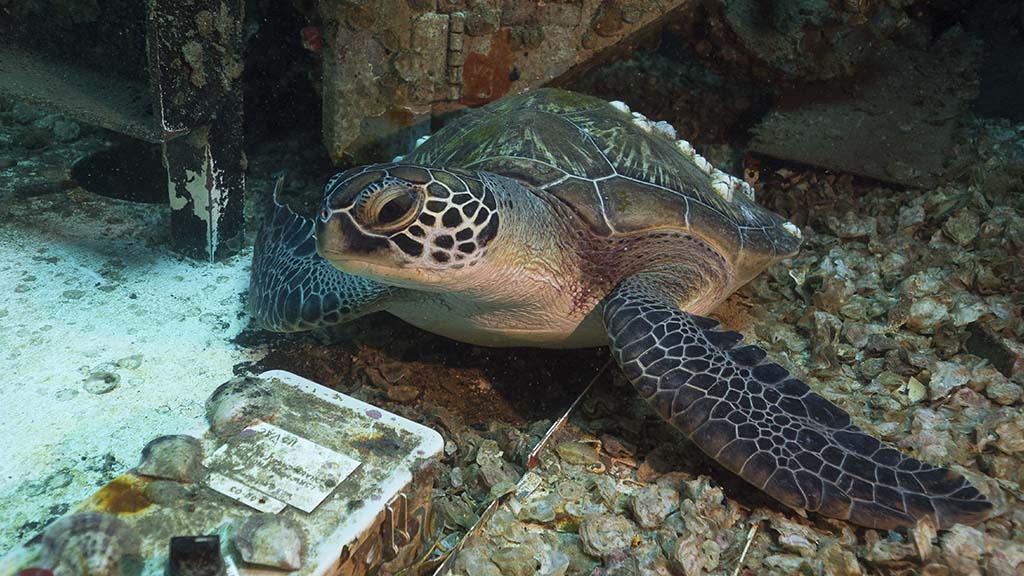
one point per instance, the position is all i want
(195, 60)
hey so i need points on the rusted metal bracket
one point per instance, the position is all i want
(395, 529)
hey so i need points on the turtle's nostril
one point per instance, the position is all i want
(325, 214)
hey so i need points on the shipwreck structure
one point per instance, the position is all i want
(170, 72)
(391, 66)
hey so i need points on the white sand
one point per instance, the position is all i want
(86, 282)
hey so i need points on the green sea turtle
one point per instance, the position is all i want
(554, 219)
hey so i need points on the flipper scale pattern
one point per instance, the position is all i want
(770, 428)
(292, 288)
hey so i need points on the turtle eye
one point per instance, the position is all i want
(325, 214)
(393, 208)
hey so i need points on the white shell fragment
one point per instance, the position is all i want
(620, 105)
(721, 183)
(747, 188)
(87, 543)
(421, 140)
(175, 457)
(686, 148)
(792, 229)
(642, 122)
(271, 540)
(703, 164)
(720, 180)
(723, 189)
(398, 158)
(724, 184)
(644, 125)
(666, 129)
(238, 403)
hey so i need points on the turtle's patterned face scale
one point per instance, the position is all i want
(390, 217)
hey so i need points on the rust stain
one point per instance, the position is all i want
(386, 444)
(609, 21)
(123, 495)
(487, 77)
(401, 117)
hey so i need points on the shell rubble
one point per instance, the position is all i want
(87, 544)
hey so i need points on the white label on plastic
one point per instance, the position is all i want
(244, 494)
(282, 465)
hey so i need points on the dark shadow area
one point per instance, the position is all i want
(1000, 26)
(109, 36)
(130, 170)
(282, 98)
(383, 358)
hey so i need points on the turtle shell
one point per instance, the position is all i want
(611, 168)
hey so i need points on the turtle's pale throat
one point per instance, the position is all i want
(347, 263)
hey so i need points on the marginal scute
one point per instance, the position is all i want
(887, 456)
(714, 435)
(783, 487)
(724, 339)
(582, 197)
(834, 502)
(769, 373)
(735, 455)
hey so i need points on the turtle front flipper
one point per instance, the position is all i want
(768, 427)
(292, 288)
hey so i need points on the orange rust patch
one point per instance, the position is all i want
(123, 495)
(487, 77)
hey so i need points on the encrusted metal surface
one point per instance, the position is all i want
(389, 66)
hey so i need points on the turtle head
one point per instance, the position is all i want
(406, 225)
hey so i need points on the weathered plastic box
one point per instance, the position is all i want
(355, 478)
